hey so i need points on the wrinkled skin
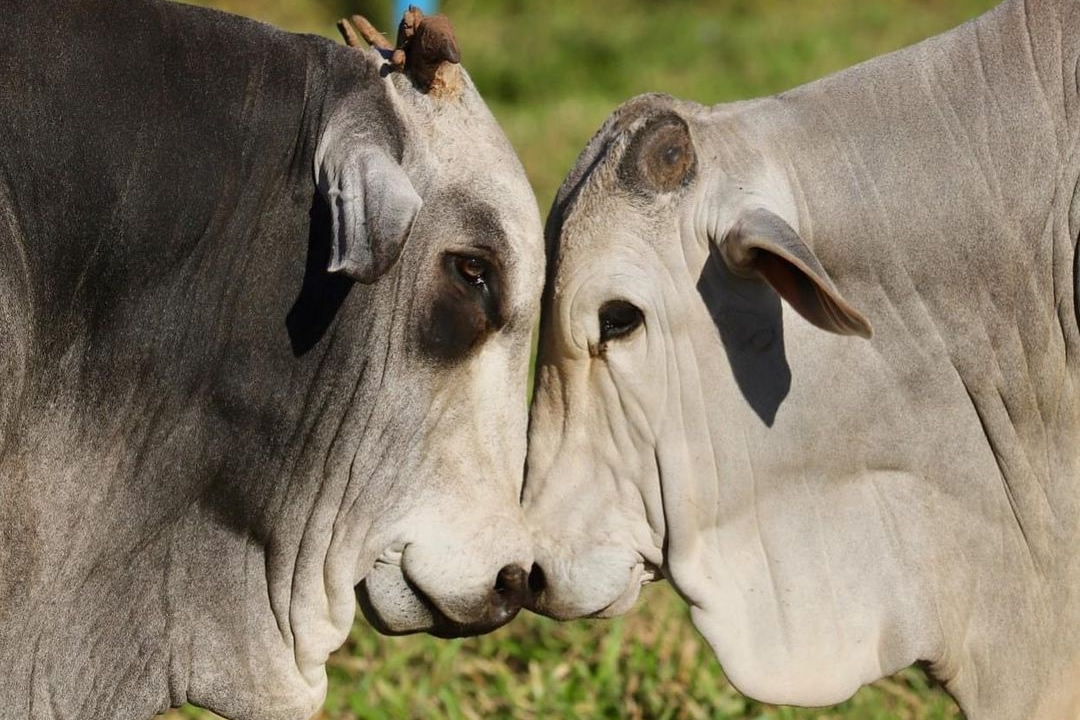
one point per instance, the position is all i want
(814, 360)
(265, 314)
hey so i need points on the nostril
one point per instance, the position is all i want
(537, 580)
(511, 580)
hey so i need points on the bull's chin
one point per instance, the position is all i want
(394, 606)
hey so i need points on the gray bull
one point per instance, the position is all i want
(881, 469)
(209, 433)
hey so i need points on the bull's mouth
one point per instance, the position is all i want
(641, 574)
(394, 605)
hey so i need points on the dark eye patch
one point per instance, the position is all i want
(466, 306)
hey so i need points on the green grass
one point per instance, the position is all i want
(551, 72)
(647, 665)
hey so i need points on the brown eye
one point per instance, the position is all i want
(472, 270)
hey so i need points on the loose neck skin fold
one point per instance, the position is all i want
(937, 186)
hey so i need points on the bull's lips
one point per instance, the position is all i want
(640, 575)
(436, 622)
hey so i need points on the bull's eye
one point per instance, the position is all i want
(472, 270)
(466, 305)
(618, 318)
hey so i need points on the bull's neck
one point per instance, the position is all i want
(937, 187)
(165, 400)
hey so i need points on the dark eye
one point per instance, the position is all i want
(472, 270)
(618, 318)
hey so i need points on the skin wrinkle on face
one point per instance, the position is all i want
(630, 499)
(452, 329)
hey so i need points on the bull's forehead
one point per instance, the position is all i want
(458, 137)
(469, 175)
(602, 221)
(596, 214)
(601, 209)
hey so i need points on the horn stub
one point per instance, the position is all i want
(431, 45)
(660, 157)
(426, 48)
(435, 40)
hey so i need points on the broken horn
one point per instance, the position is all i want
(428, 43)
(426, 48)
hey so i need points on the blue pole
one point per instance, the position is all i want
(428, 7)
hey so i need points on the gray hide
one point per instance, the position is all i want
(209, 433)
(846, 423)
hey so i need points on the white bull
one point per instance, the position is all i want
(881, 469)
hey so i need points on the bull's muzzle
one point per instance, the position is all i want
(506, 596)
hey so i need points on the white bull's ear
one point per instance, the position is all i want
(372, 207)
(761, 243)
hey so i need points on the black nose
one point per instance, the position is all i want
(511, 588)
(537, 580)
(506, 597)
(515, 588)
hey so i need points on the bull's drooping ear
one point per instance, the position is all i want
(372, 207)
(761, 243)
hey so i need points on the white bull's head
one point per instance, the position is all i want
(673, 434)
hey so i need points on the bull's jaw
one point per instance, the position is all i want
(795, 625)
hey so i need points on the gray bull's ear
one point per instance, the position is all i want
(372, 207)
(761, 243)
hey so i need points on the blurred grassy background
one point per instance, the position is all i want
(551, 71)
